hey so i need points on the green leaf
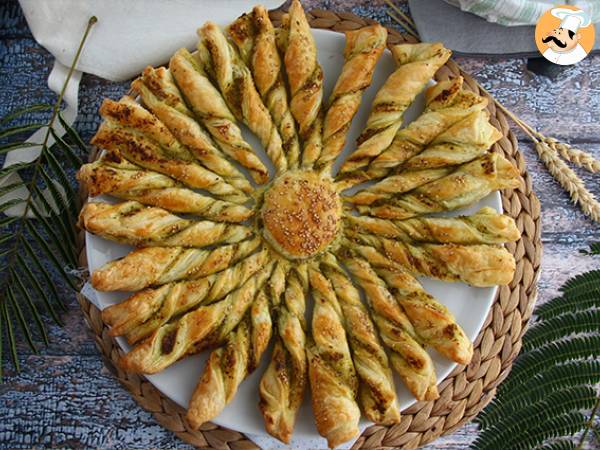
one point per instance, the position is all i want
(73, 135)
(32, 308)
(569, 303)
(21, 129)
(10, 188)
(562, 444)
(10, 334)
(11, 203)
(63, 179)
(27, 109)
(21, 319)
(582, 283)
(594, 249)
(67, 150)
(62, 204)
(7, 221)
(17, 145)
(560, 327)
(5, 171)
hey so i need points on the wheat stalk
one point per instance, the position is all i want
(550, 150)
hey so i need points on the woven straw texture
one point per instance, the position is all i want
(468, 389)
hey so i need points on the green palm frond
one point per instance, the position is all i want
(44, 228)
(545, 401)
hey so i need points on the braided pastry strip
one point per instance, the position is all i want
(376, 392)
(158, 91)
(408, 357)
(145, 311)
(445, 104)
(172, 160)
(433, 322)
(283, 383)
(254, 36)
(196, 330)
(333, 380)
(115, 176)
(138, 225)
(305, 78)
(486, 226)
(230, 364)
(209, 106)
(224, 64)
(477, 265)
(363, 49)
(417, 65)
(155, 266)
(464, 186)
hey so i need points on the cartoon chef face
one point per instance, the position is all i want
(561, 40)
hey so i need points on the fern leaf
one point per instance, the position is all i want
(61, 203)
(22, 111)
(543, 358)
(10, 188)
(11, 203)
(16, 145)
(582, 283)
(7, 132)
(21, 318)
(32, 308)
(572, 303)
(74, 159)
(61, 175)
(594, 249)
(56, 216)
(564, 376)
(6, 171)
(561, 327)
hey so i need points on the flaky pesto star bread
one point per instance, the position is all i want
(155, 266)
(254, 36)
(209, 106)
(228, 70)
(142, 313)
(230, 364)
(135, 224)
(363, 49)
(114, 176)
(203, 327)
(417, 63)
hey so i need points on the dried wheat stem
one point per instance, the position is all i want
(578, 157)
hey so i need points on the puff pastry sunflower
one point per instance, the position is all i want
(228, 257)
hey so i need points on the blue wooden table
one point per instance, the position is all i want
(64, 397)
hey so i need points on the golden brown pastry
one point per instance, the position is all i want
(254, 36)
(433, 322)
(376, 392)
(114, 176)
(464, 186)
(230, 364)
(158, 92)
(363, 49)
(154, 266)
(209, 106)
(333, 380)
(135, 224)
(446, 103)
(305, 79)
(234, 79)
(138, 145)
(203, 327)
(417, 65)
(486, 226)
(408, 357)
(283, 383)
(145, 311)
(477, 265)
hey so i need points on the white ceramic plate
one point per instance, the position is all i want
(470, 305)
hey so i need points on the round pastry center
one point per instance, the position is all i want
(301, 214)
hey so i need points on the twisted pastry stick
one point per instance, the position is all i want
(229, 365)
(477, 265)
(445, 104)
(138, 225)
(145, 152)
(376, 392)
(158, 91)
(408, 357)
(417, 65)
(363, 49)
(464, 186)
(235, 81)
(305, 78)
(145, 311)
(210, 107)
(486, 226)
(115, 176)
(333, 380)
(254, 36)
(283, 383)
(433, 323)
(203, 327)
(154, 266)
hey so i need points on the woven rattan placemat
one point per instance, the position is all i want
(468, 389)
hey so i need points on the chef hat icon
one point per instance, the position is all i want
(571, 20)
